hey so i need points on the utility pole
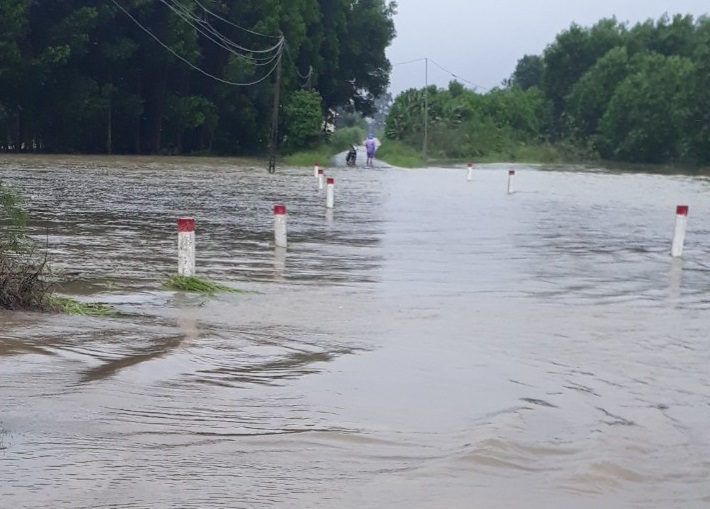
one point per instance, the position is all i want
(426, 108)
(275, 115)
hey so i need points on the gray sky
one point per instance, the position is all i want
(481, 41)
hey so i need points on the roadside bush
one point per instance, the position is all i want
(24, 282)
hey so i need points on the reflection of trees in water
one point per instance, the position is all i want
(232, 356)
(160, 348)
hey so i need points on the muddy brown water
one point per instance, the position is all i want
(432, 343)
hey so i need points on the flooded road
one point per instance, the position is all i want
(431, 343)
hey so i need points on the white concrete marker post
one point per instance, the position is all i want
(470, 172)
(280, 233)
(681, 222)
(186, 246)
(511, 177)
(330, 193)
(321, 178)
(315, 169)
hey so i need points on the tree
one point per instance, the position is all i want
(355, 68)
(303, 119)
(571, 55)
(698, 128)
(648, 113)
(528, 72)
(589, 98)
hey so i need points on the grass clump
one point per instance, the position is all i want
(306, 158)
(400, 154)
(71, 306)
(197, 285)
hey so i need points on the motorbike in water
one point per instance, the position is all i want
(351, 157)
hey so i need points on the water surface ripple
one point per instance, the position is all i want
(431, 342)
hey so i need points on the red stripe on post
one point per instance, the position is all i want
(330, 180)
(316, 164)
(470, 165)
(681, 210)
(511, 172)
(320, 171)
(186, 224)
(279, 209)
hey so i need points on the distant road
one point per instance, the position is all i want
(339, 159)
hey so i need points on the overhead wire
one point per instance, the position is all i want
(409, 62)
(223, 42)
(458, 77)
(195, 67)
(476, 85)
(233, 24)
(307, 77)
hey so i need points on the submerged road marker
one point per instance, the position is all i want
(330, 193)
(511, 176)
(470, 172)
(321, 176)
(681, 222)
(186, 246)
(280, 233)
(315, 169)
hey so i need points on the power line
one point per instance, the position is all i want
(223, 42)
(189, 17)
(458, 77)
(476, 85)
(307, 77)
(234, 25)
(409, 62)
(198, 69)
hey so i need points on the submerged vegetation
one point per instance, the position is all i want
(24, 281)
(71, 306)
(197, 285)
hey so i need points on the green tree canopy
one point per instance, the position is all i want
(158, 75)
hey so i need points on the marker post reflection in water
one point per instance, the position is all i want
(681, 222)
(470, 172)
(321, 178)
(315, 169)
(186, 246)
(511, 177)
(330, 193)
(280, 232)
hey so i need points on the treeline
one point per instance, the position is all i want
(634, 94)
(180, 76)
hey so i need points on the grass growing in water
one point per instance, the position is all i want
(70, 306)
(197, 285)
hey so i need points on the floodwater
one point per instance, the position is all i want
(430, 343)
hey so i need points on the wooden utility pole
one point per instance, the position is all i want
(275, 115)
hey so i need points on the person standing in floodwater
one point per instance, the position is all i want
(370, 148)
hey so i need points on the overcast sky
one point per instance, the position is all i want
(481, 41)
